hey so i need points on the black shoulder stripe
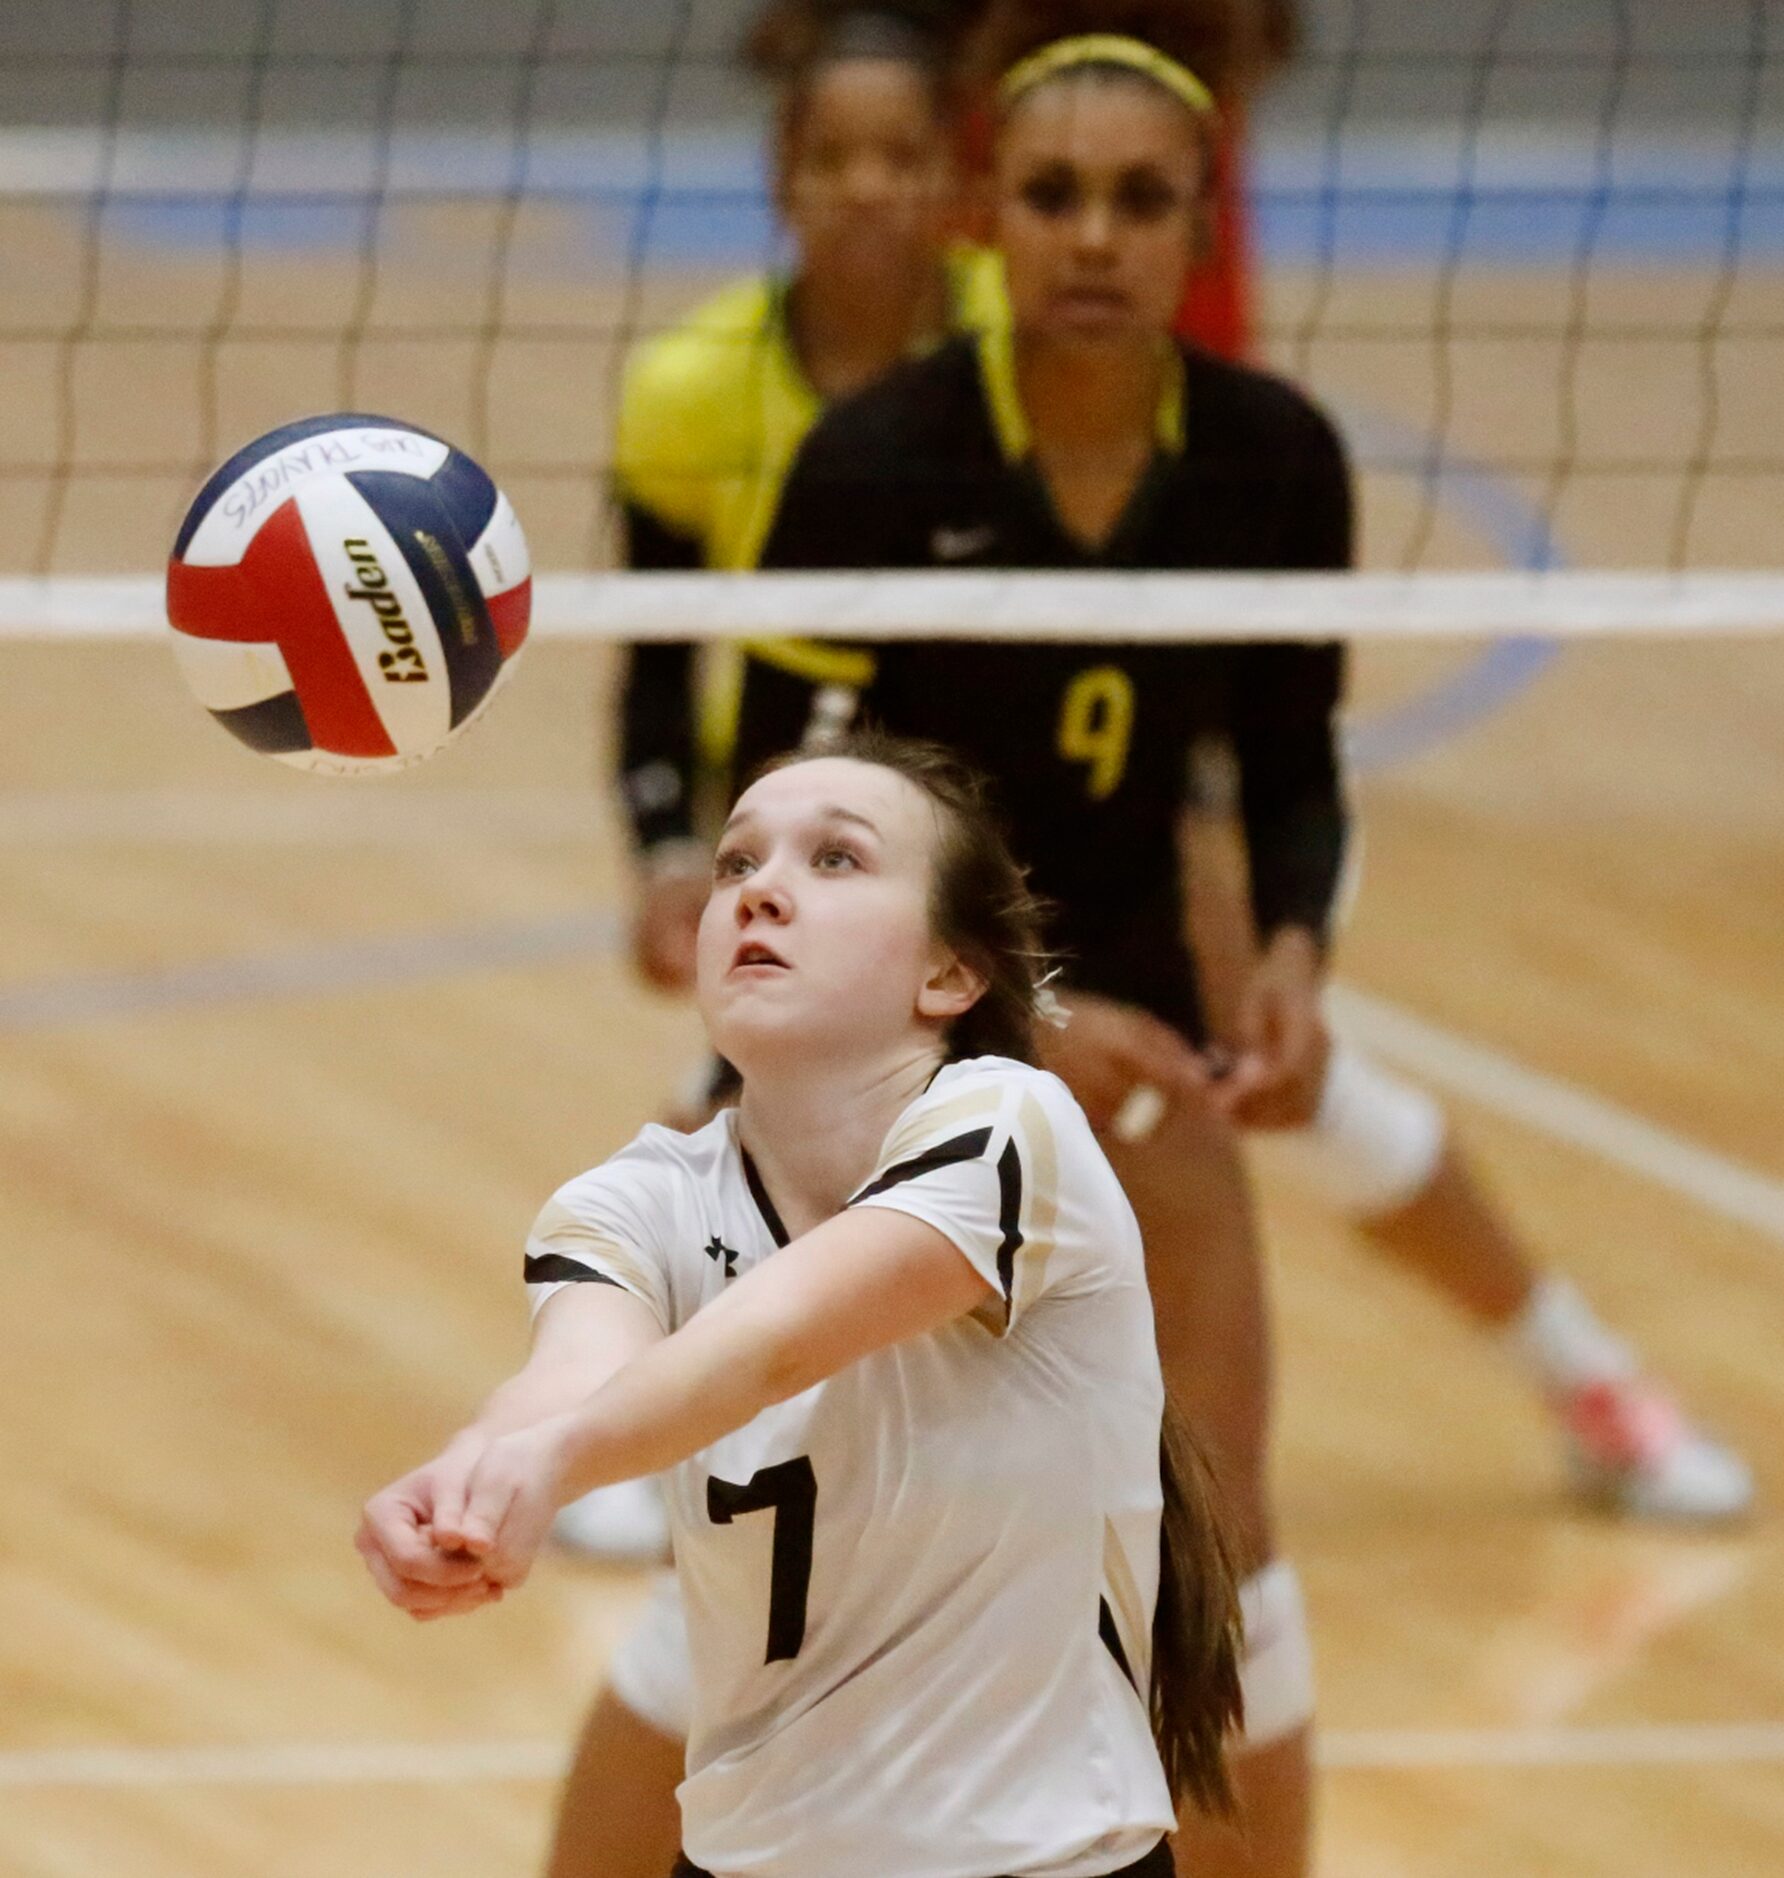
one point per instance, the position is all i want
(554, 1269)
(1105, 1628)
(967, 1147)
(1009, 1182)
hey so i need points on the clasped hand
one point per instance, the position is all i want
(1282, 1044)
(1271, 1078)
(460, 1532)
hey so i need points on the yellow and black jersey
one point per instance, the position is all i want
(712, 414)
(1090, 744)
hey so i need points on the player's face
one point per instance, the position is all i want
(816, 942)
(1099, 209)
(867, 179)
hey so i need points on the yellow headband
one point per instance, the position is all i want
(1065, 55)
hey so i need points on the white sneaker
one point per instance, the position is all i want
(1630, 1449)
(626, 1524)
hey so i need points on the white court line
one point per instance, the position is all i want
(1642, 1744)
(286, 1764)
(1449, 1062)
(308, 972)
(428, 1763)
(1556, 1108)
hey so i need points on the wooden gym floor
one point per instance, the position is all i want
(285, 1067)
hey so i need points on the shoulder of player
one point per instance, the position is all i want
(902, 417)
(1037, 1104)
(977, 1102)
(693, 370)
(655, 1169)
(1222, 396)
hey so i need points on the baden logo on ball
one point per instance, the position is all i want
(347, 593)
(404, 665)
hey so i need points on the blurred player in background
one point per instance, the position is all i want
(864, 176)
(1077, 433)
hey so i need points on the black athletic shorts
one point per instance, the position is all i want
(1156, 1864)
(1147, 965)
(1136, 951)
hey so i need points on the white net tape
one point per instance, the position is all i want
(1089, 607)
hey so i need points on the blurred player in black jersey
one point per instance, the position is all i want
(1081, 435)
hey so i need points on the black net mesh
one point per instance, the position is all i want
(1531, 254)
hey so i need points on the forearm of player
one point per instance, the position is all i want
(856, 1284)
(1296, 852)
(584, 1335)
(656, 743)
(1299, 947)
(1291, 797)
(1281, 1035)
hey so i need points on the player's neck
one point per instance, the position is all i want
(816, 1136)
(848, 333)
(1092, 421)
(1100, 400)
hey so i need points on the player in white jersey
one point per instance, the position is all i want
(862, 1564)
(957, 1606)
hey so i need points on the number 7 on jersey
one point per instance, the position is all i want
(790, 1488)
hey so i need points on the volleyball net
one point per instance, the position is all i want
(1530, 256)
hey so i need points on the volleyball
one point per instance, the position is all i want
(347, 593)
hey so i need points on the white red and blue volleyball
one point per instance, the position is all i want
(347, 593)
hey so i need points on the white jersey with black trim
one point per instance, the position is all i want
(919, 1595)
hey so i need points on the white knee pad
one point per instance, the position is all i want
(650, 1671)
(1375, 1143)
(1276, 1676)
